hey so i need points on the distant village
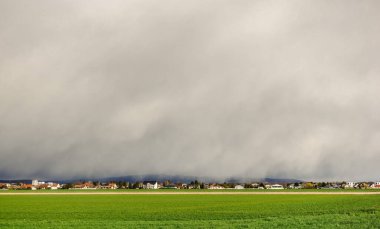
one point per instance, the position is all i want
(43, 185)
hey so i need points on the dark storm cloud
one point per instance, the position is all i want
(207, 88)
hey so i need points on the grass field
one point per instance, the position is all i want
(201, 211)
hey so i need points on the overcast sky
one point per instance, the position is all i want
(285, 89)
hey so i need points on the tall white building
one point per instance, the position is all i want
(34, 182)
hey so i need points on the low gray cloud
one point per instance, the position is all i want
(204, 88)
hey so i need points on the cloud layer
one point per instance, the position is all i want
(204, 88)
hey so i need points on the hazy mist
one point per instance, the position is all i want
(202, 88)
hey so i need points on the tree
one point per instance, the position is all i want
(67, 186)
(136, 185)
(167, 182)
(363, 185)
(308, 185)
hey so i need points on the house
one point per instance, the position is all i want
(255, 185)
(294, 186)
(27, 186)
(43, 186)
(349, 185)
(190, 186)
(239, 187)
(4, 185)
(86, 185)
(54, 186)
(335, 186)
(276, 186)
(375, 185)
(35, 182)
(110, 185)
(150, 185)
(215, 186)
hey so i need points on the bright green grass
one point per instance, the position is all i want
(200, 211)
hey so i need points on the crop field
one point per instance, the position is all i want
(191, 210)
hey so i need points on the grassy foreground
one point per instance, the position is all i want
(200, 211)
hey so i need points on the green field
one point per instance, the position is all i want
(200, 211)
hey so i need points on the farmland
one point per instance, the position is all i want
(205, 211)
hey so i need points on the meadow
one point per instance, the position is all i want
(200, 211)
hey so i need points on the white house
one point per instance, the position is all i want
(150, 185)
(255, 185)
(350, 185)
(55, 186)
(276, 186)
(215, 187)
(34, 182)
(239, 187)
(294, 186)
(376, 185)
